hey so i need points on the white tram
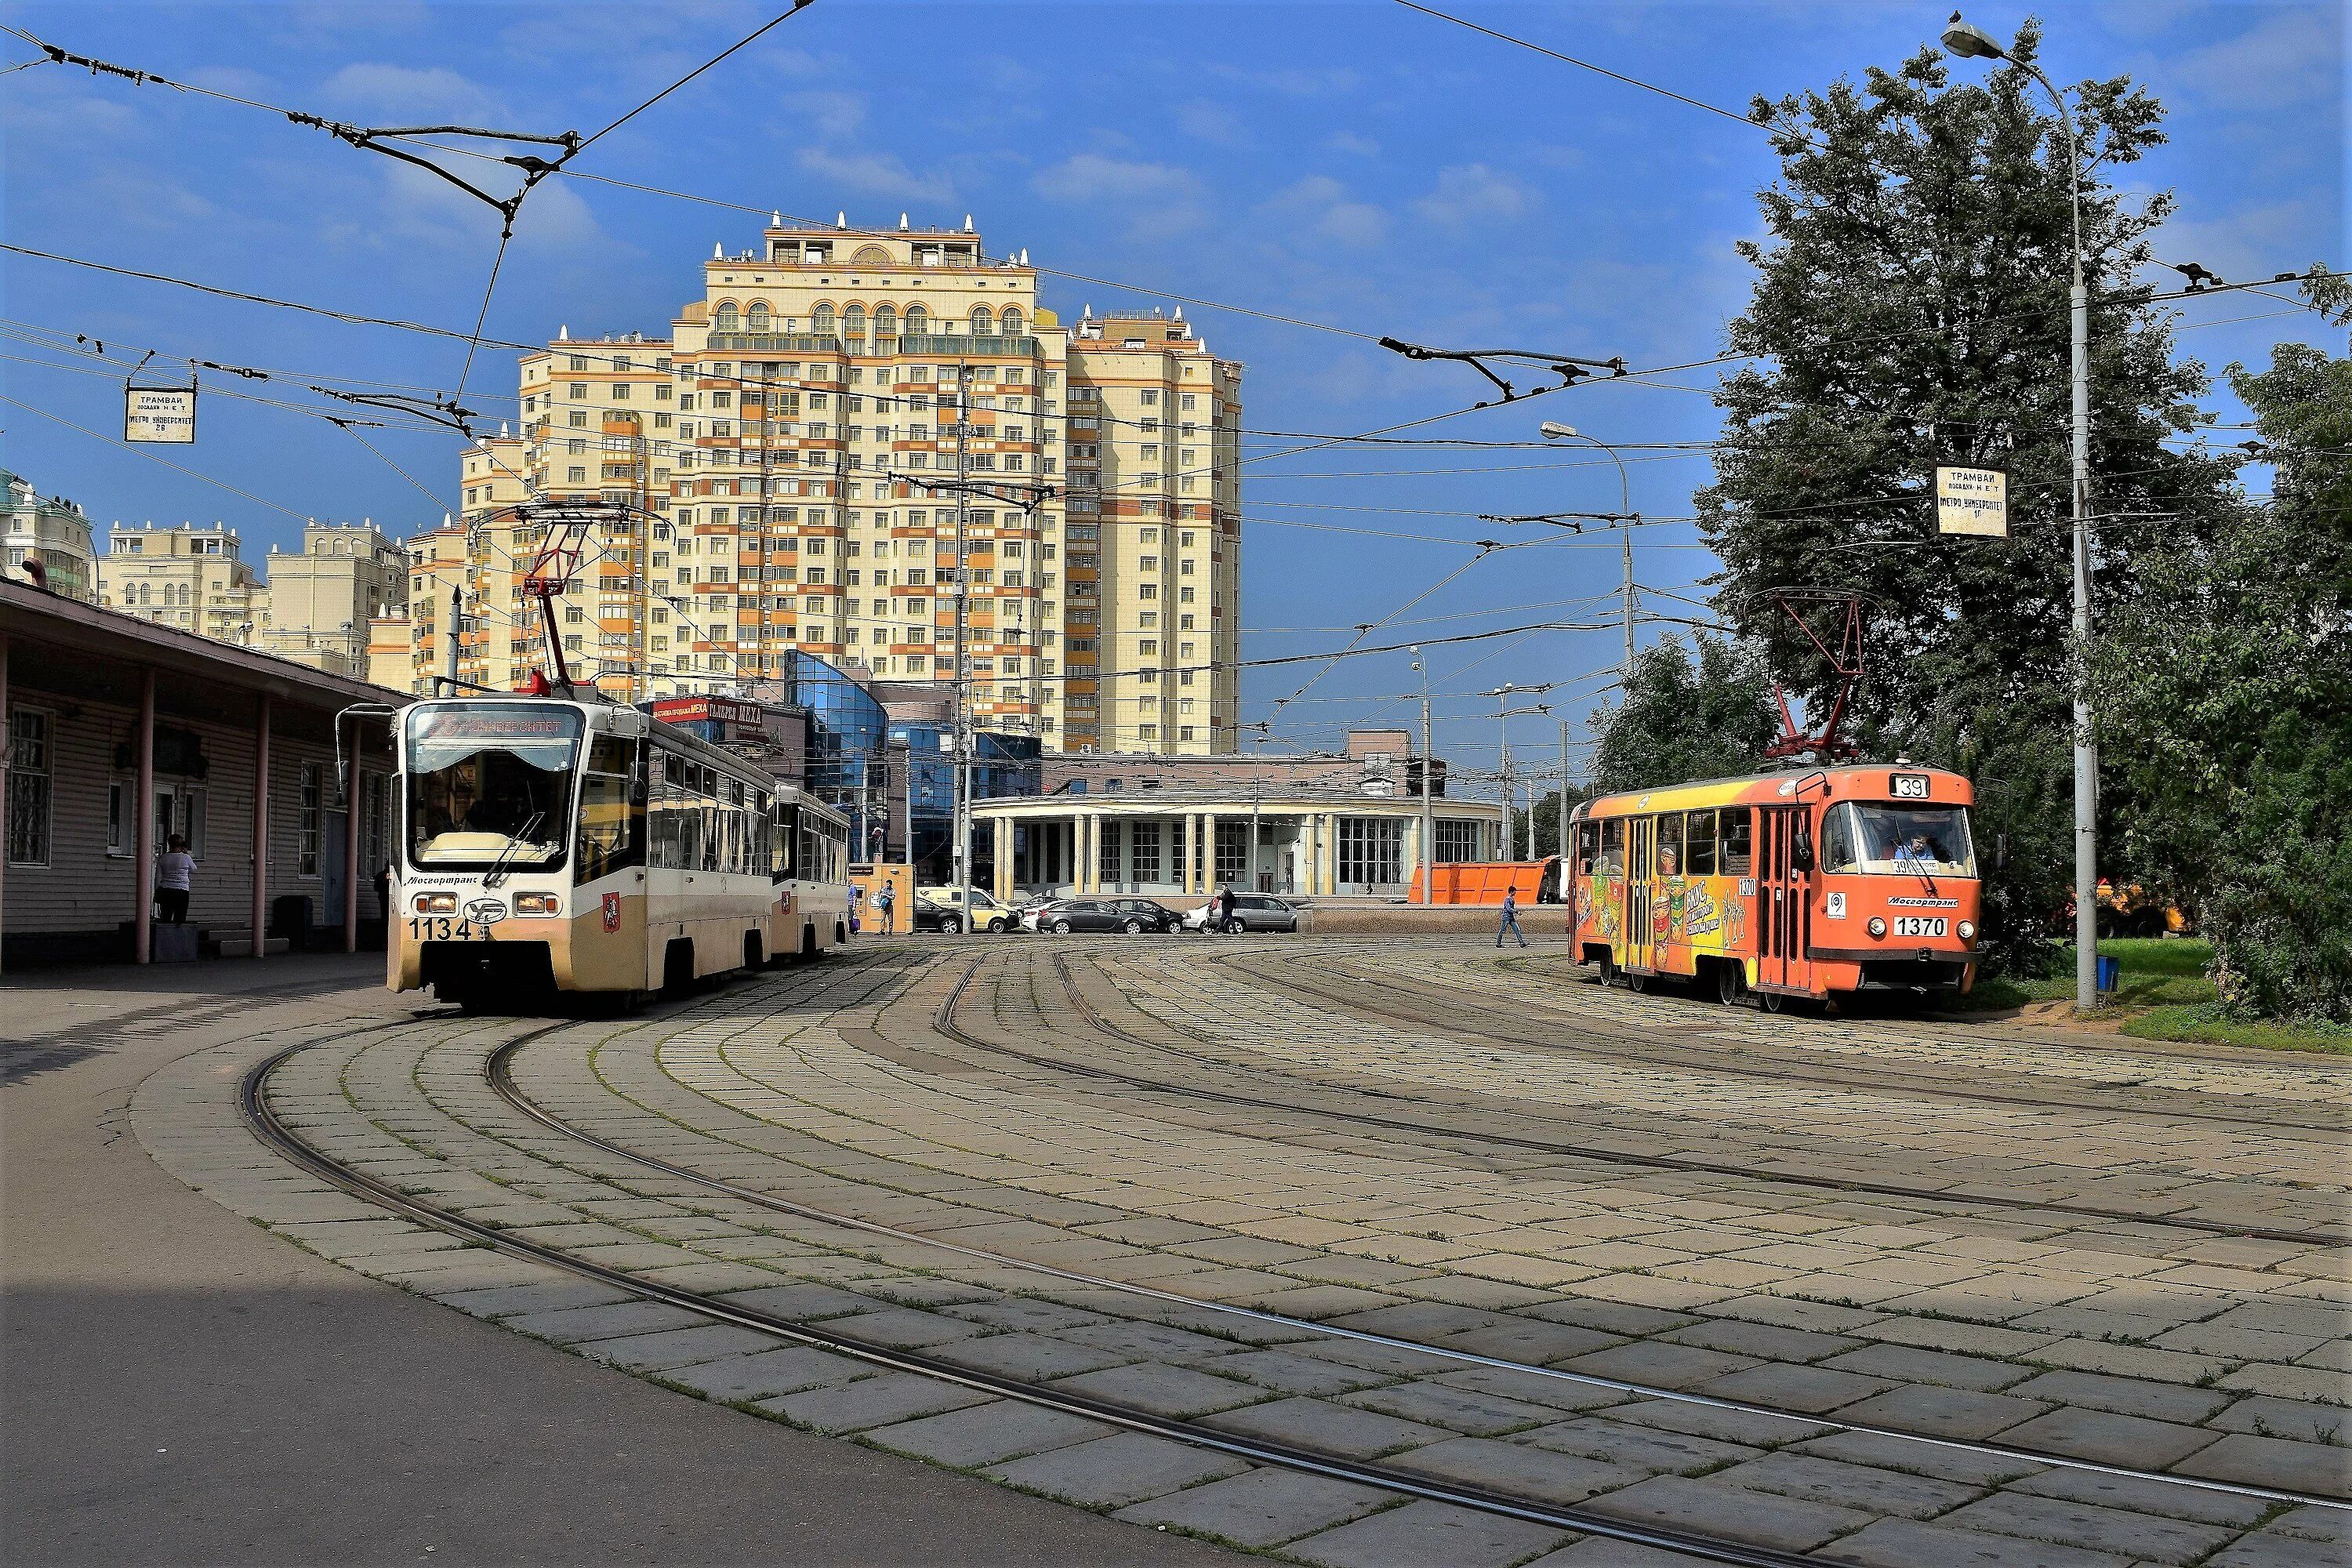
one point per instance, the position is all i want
(562, 845)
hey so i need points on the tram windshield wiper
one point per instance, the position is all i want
(496, 875)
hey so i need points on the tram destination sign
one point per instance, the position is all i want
(164, 414)
(1972, 501)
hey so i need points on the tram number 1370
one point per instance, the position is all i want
(1918, 925)
(458, 927)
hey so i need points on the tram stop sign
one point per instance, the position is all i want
(1972, 501)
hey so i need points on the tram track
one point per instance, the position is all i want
(1725, 1056)
(254, 1104)
(945, 1022)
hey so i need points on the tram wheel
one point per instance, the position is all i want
(1730, 983)
(1609, 972)
(1771, 1002)
(1637, 983)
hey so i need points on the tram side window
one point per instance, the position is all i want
(1670, 843)
(1588, 847)
(1698, 843)
(666, 773)
(1613, 847)
(706, 804)
(611, 811)
(1735, 856)
(783, 830)
(1837, 840)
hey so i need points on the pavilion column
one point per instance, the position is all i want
(1191, 854)
(1209, 852)
(261, 829)
(1330, 852)
(143, 851)
(351, 845)
(1089, 866)
(1005, 859)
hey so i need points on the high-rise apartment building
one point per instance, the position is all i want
(185, 577)
(320, 599)
(790, 457)
(48, 539)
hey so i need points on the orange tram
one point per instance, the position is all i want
(1798, 886)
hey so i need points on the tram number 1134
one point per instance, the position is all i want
(458, 927)
(1918, 925)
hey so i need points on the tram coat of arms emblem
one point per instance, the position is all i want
(612, 911)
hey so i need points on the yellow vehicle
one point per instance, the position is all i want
(946, 908)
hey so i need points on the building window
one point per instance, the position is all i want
(310, 824)
(30, 744)
(1143, 850)
(1110, 860)
(1372, 851)
(1455, 841)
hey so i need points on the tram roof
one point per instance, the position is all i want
(1763, 788)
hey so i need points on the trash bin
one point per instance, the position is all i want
(289, 917)
(2111, 974)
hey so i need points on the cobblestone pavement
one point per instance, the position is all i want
(1737, 1351)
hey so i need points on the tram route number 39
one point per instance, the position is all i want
(455, 928)
(1918, 925)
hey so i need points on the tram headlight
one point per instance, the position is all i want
(535, 903)
(436, 903)
(1878, 927)
(1967, 930)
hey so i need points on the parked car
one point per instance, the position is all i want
(947, 909)
(1252, 912)
(1027, 909)
(1133, 915)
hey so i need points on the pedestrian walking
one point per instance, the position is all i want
(886, 901)
(1225, 903)
(1510, 918)
(175, 873)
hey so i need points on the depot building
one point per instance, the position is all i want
(124, 732)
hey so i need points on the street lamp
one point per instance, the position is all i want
(1553, 430)
(1974, 43)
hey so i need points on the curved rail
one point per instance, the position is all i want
(1549, 1146)
(1891, 1080)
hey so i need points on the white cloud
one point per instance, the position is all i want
(1471, 193)
(827, 111)
(2290, 55)
(1213, 122)
(1091, 176)
(883, 173)
(432, 92)
(1349, 142)
(1318, 205)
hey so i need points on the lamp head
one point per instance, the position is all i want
(1970, 41)
(1553, 429)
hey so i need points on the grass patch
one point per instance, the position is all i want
(2164, 996)
(2207, 1023)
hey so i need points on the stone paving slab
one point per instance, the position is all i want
(1326, 1428)
(1122, 1469)
(986, 1434)
(1421, 1533)
(765, 1373)
(881, 1399)
(1903, 1543)
(1262, 1507)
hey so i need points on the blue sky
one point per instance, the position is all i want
(1351, 165)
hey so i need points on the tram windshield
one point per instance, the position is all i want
(490, 784)
(1891, 841)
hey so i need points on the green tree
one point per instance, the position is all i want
(1545, 816)
(2225, 698)
(1909, 309)
(1682, 720)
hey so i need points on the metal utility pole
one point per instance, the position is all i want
(1560, 823)
(1972, 42)
(456, 620)
(1428, 768)
(1510, 828)
(1503, 717)
(962, 666)
(1553, 430)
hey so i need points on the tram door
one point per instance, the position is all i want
(1641, 852)
(1782, 924)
